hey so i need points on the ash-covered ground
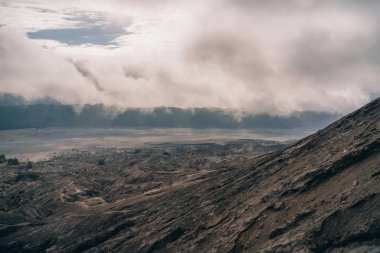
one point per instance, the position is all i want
(319, 194)
(40, 144)
(84, 176)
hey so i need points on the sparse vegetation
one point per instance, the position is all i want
(2, 158)
(166, 153)
(101, 162)
(131, 163)
(26, 176)
(13, 161)
(29, 165)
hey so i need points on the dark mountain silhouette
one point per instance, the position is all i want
(17, 113)
(321, 194)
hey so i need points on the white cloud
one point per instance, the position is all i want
(258, 56)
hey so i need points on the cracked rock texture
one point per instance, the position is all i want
(320, 194)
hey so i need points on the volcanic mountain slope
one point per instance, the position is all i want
(319, 195)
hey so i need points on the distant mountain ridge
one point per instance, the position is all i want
(17, 113)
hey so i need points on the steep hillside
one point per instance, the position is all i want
(322, 194)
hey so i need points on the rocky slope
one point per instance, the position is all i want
(321, 194)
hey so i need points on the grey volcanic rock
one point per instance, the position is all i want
(320, 194)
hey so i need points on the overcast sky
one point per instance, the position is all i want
(271, 56)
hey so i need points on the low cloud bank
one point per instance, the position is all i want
(18, 113)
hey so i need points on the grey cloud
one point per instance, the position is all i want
(372, 48)
(83, 70)
(232, 54)
(42, 10)
(317, 55)
(134, 73)
(272, 5)
(304, 5)
(85, 18)
(321, 55)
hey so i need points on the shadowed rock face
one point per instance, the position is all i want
(320, 194)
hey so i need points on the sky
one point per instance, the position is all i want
(272, 56)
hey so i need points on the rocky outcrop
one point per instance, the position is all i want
(321, 194)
